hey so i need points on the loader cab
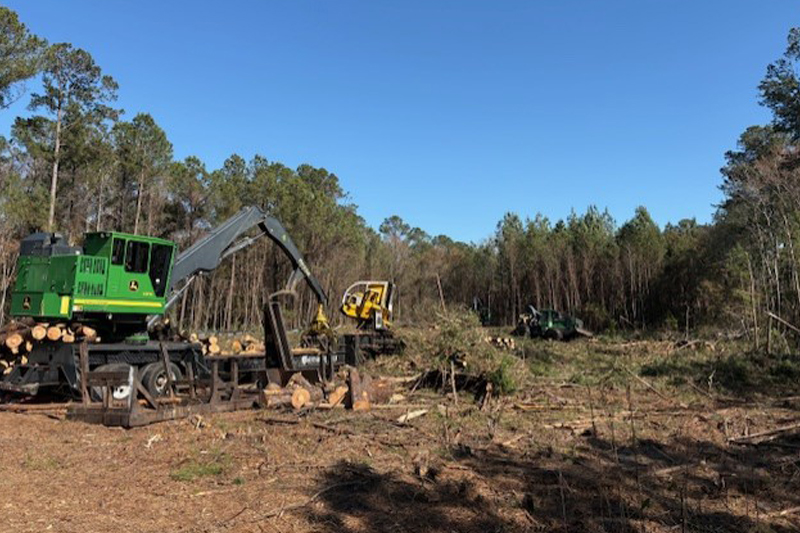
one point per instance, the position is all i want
(548, 317)
(138, 267)
(126, 276)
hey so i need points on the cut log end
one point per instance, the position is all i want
(14, 341)
(54, 333)
(336, 398)
(300, 398)
(90, 334)
(39, 332)
(361, 405)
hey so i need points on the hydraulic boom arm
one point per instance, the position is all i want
(206, 254)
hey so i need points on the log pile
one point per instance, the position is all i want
(19, 337)
(214, 345)
(504, 343)
(350, 390)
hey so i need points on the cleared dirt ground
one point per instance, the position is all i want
(602, 436)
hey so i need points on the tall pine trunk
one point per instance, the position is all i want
(54, 180)
(139, 194)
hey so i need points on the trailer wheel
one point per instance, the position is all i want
(121, 392)
(154, 378)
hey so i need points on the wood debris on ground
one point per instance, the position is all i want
(349, 389)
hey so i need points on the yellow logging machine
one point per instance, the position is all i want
(370, 304)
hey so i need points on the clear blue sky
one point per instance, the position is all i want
(448, 113)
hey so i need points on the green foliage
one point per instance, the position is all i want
(755, 259)
(39, 462)
(458, 333)
(75, 96)
(502, 377)
(670, 322)
(780, 88)
(72, 81)
(214, 463)
(20, 56)
(23, 205)
(144, 156)
(187, 182)
(458, 336)
(540, 358)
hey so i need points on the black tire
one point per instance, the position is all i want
(554, 334)
(119, 393)
(154, 378)
(399, 346)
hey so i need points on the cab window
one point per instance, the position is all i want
(137, 255)
(159, 268)
(118, 252)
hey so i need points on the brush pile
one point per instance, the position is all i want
(457, 354)
(19, 337)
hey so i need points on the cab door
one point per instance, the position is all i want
(134, 281)
(116, 267)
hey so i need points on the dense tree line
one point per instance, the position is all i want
(77, 164)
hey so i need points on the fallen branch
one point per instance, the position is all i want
(404, 379)
(767, 435)
(411, 416)
(673, 469)
(338, 431)
(785, 512)
(701, 391)
(513, 440)
(541, 407)
(288, 422)
(652, 388)
(784, 322)
(26, 408)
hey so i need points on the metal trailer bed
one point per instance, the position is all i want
(192, 395)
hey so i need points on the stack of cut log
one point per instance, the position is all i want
(18, 338)
(245, 344)
(350, 390)
(209, 343)
(504, 343)
(214, 345)
(297, 393)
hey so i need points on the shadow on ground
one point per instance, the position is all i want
(357, 498)
(742, 374)
(690, 485)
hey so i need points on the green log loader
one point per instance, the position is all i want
(121, 285)
(549, 324)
